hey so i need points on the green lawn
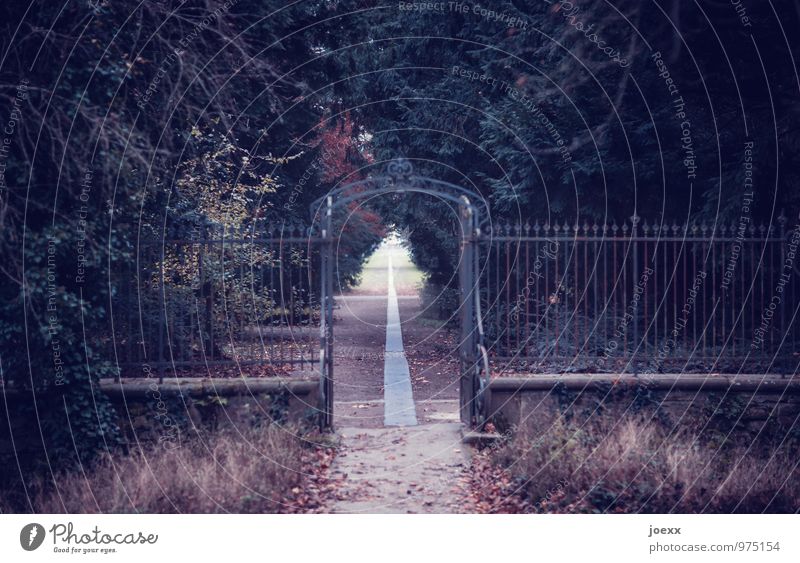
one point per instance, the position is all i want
(374, 279)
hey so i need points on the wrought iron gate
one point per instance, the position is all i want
(399, 177)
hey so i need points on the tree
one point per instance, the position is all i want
(577, 111)
(132, 121)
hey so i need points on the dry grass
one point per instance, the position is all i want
(637, 466)
(251, 472)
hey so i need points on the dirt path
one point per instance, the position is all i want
(399, 469)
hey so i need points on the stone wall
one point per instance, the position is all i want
(152, 411)
(746, 404)
(149, 411)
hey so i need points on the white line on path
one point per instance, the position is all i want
(398, 407)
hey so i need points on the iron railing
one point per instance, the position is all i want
(635, 297)
(641, 297)
(221, 303)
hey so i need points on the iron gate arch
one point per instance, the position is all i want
(399, 177)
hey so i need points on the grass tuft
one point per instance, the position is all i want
(634, 465)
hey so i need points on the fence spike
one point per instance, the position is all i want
(536, 226)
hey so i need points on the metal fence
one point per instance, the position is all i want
(218, 303)
(641, 297)
(635, 297)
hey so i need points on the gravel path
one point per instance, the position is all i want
(401, 468)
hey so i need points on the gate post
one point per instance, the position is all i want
(635, 279)
(326, 319)
(468, 344)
